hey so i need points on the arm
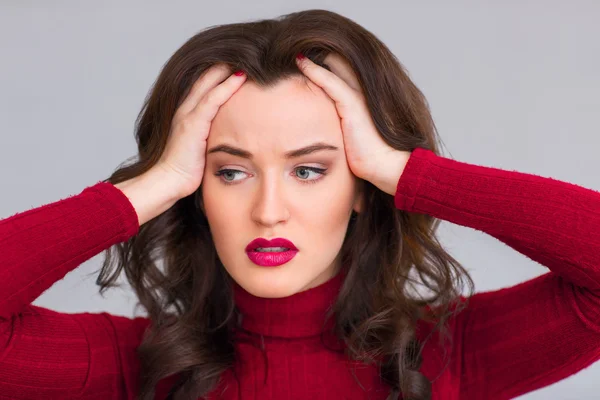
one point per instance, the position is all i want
(515, 340)
(40, 246)
(46, 354)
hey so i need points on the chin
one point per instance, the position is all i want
(271, 293)
(271, 282)
(271, 286)
(277, 282)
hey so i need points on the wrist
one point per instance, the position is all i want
(390, 170)
(150, 194)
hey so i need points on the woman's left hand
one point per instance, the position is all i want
(369, 156)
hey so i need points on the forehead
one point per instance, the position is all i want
(294, 111)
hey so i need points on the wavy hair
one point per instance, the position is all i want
(387, 251)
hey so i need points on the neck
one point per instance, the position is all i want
(303, 314)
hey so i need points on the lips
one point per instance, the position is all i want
(276, 242)
(271, 259)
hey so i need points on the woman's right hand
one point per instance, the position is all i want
(178, 173)
(184, 156)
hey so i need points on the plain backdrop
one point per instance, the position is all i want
(512, 85)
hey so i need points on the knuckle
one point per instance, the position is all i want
(176, 124)
(176, 116)
(185, 124)
(222, 67)
(358, 97)
(210, 98)
(221, 71)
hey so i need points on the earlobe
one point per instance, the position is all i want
(200, 202)
(358, 206)
(359, 198)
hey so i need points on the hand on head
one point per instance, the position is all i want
(184, 156)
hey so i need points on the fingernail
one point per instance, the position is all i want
(239, 73)
(300, 56)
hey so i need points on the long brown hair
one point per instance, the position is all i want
(172, 263)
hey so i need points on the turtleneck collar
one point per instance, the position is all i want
(299, 315)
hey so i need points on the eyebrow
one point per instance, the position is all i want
(236, 151)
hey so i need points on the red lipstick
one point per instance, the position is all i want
(269, 257)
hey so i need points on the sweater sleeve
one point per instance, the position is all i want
(515, 340)
(52, 355)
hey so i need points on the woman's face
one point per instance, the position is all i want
(271, 195)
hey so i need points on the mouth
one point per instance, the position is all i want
(270, 253)
(273, 245)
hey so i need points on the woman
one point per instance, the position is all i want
(333, 154)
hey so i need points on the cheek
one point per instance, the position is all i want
(328, 207)
(220, 209)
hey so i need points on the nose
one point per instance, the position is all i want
(270, 205)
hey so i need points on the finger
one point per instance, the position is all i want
(342, 68)
(209, 79)
(332, 84)
(209, 105)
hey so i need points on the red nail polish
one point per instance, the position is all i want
(239, 73)
(300, 56)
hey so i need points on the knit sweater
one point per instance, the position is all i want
(505, 343)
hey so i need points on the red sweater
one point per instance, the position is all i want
(506, 343)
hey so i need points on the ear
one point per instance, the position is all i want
(200, 201)
(359, 196)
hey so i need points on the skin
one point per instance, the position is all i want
(272, 196)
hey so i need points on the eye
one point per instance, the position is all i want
(228, 175)
(306, 173)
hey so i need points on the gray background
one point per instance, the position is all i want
(513, 85)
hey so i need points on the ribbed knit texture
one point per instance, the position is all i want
(506, 343)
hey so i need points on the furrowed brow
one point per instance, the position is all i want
(238, 152)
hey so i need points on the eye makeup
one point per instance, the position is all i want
(321, 172)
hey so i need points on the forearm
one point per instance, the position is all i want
(41, 245)
(551, 222)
